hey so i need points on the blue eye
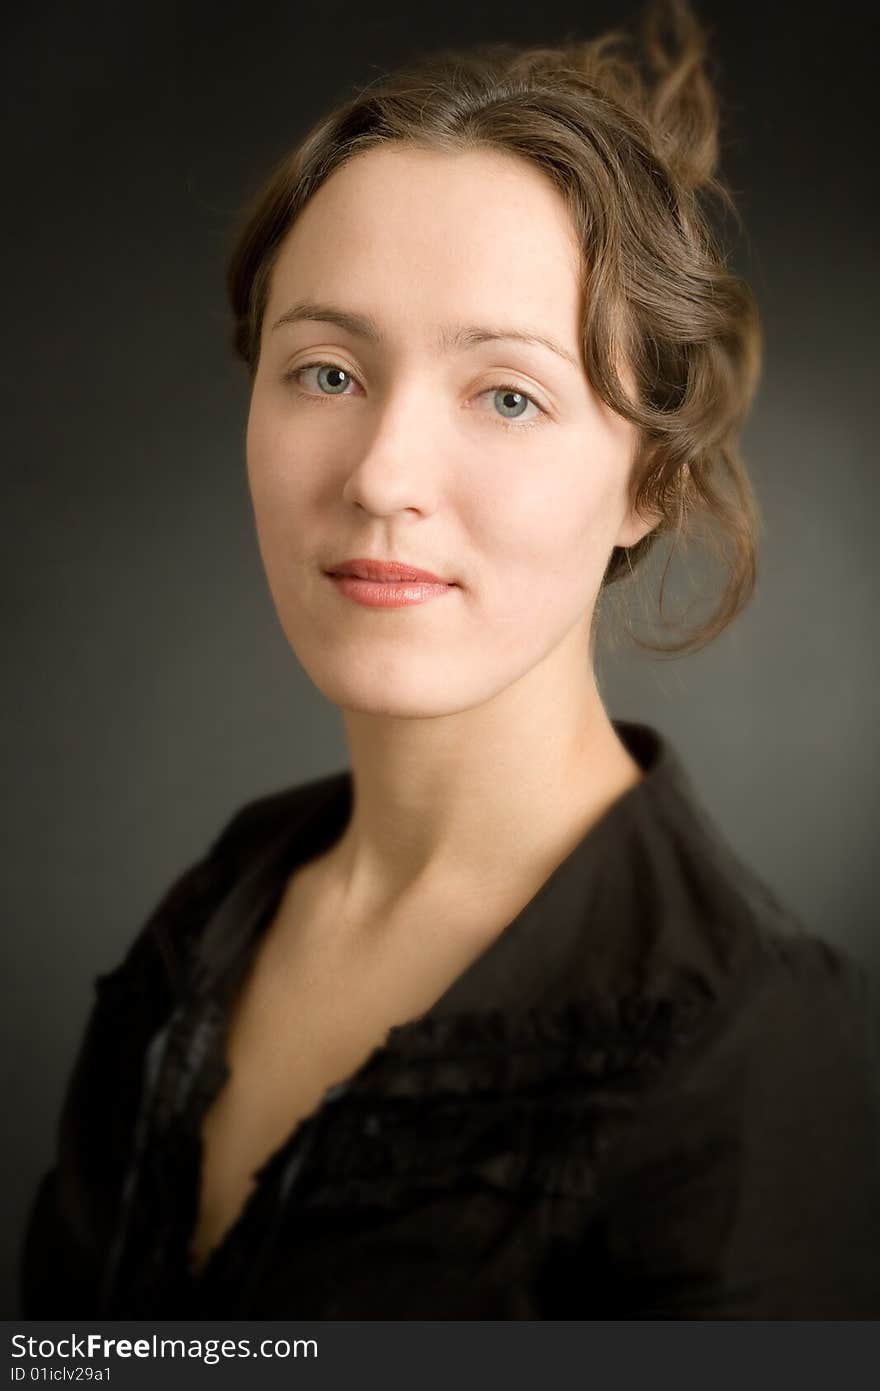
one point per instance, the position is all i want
(336, 387)
(519, 398)
(515, 400)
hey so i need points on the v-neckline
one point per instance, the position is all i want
(504, 971)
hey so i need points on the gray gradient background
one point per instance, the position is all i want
(151, 690)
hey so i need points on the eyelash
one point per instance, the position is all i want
(295, 373)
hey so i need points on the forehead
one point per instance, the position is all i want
(483, 231)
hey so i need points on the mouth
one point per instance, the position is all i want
(386, 572)
(390, 593)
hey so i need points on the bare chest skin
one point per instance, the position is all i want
(311, 1009)
(321, 994)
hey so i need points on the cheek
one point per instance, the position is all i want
(266, 448)
(543, 535)
(282, 477)
(281, 501)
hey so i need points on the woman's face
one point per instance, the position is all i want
(483, 459)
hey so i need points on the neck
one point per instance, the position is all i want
(474, 804)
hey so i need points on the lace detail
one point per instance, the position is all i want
(528, 1102)
(590, 1037)
(469, 1103)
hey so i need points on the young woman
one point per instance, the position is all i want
(492, 1023)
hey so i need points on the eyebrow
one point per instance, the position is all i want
(453, 337)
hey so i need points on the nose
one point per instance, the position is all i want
(396, 465)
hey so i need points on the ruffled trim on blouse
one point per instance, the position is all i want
(509, 1108)
(463, 1102)
(588, 1036)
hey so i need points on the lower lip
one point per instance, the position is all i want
(381, 594)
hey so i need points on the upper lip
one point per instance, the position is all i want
(387, 570)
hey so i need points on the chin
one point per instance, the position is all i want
(373, 694)
(399, 689)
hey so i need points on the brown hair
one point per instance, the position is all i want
(634, 154)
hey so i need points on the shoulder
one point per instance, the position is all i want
(699, 921)
(671, 925)
(781, 1050)
(739, 1171)
(794, 1011)
(160, 943)
(748, 1184)
(807, 998)
(794, 1039)
(800, 1050)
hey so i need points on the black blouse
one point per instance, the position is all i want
(653, 1096)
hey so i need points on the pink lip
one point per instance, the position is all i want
(389, 594)
(384, 570)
